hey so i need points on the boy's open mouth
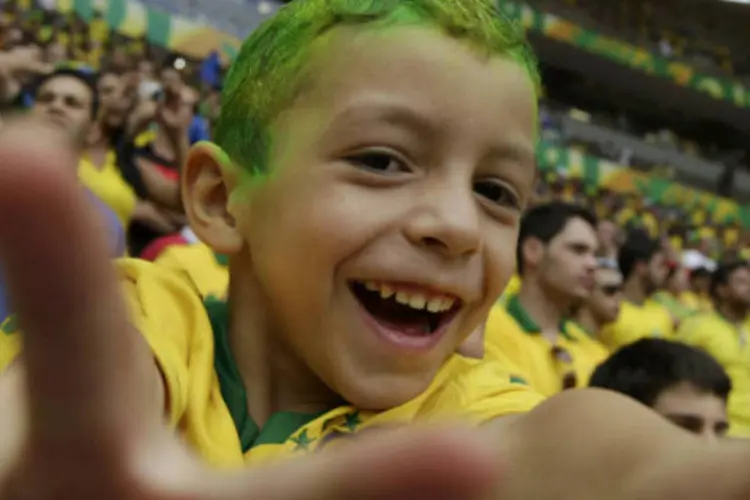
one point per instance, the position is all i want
(406, 310)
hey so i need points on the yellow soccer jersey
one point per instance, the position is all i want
(513, 285)
(637, 322)
(208, 402)
(728, 343)
(10, 342)
(677, 243)
(208, 271)
(107, 183)
(512, 335)
(731, 236)
(628, 217)
(707, 232)
(696, 302)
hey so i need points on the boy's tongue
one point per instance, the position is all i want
(404, 319)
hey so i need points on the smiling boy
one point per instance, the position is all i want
(369, 155)
(367, 220)
(361, 252)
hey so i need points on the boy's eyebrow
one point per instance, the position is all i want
(518, 151)
(390, 113)
(407, 117)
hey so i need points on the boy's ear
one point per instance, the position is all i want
(208, 178)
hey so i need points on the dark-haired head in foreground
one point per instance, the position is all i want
(684, 384)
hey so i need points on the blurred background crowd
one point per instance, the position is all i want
(645, 121)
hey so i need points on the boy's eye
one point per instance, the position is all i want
(378, 162)
(497, 193)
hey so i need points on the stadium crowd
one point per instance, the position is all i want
(611, 290)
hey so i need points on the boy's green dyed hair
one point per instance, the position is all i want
(265, 76)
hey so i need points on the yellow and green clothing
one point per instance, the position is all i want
(629, 217)
(514, 338)
(207, 399)
(696, 302)
(206, 269)
(731, 236)
(636, 322)
(698, 217)
(729, 344)
(514, 285)
(677, 243)
(99, 30)
(108, 184)
(10, 342)
(675, 306)
(706, 232)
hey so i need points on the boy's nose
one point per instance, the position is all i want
(446, 222)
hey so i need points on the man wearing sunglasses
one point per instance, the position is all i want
(603, 305)
(644, 268)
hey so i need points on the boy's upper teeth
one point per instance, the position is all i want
(414, 299)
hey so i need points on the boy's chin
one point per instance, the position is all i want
(383, 391)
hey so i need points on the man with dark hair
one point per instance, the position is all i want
(556, 261)
(644, 268)
(722, 333)
(684, 384)
(68, 98)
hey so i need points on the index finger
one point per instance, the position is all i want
(398, 465)
(79, 347)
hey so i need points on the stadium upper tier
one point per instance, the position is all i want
(236, 17)
(710, 35)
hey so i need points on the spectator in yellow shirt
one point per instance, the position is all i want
(98, 29)
(683, 384)
(675, 285)
(556, 260)
(644, 269)
(638, 216)
(723, 334)
(697, 296)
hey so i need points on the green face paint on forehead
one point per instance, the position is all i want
(267, 74)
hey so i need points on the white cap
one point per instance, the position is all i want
(693, 259)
